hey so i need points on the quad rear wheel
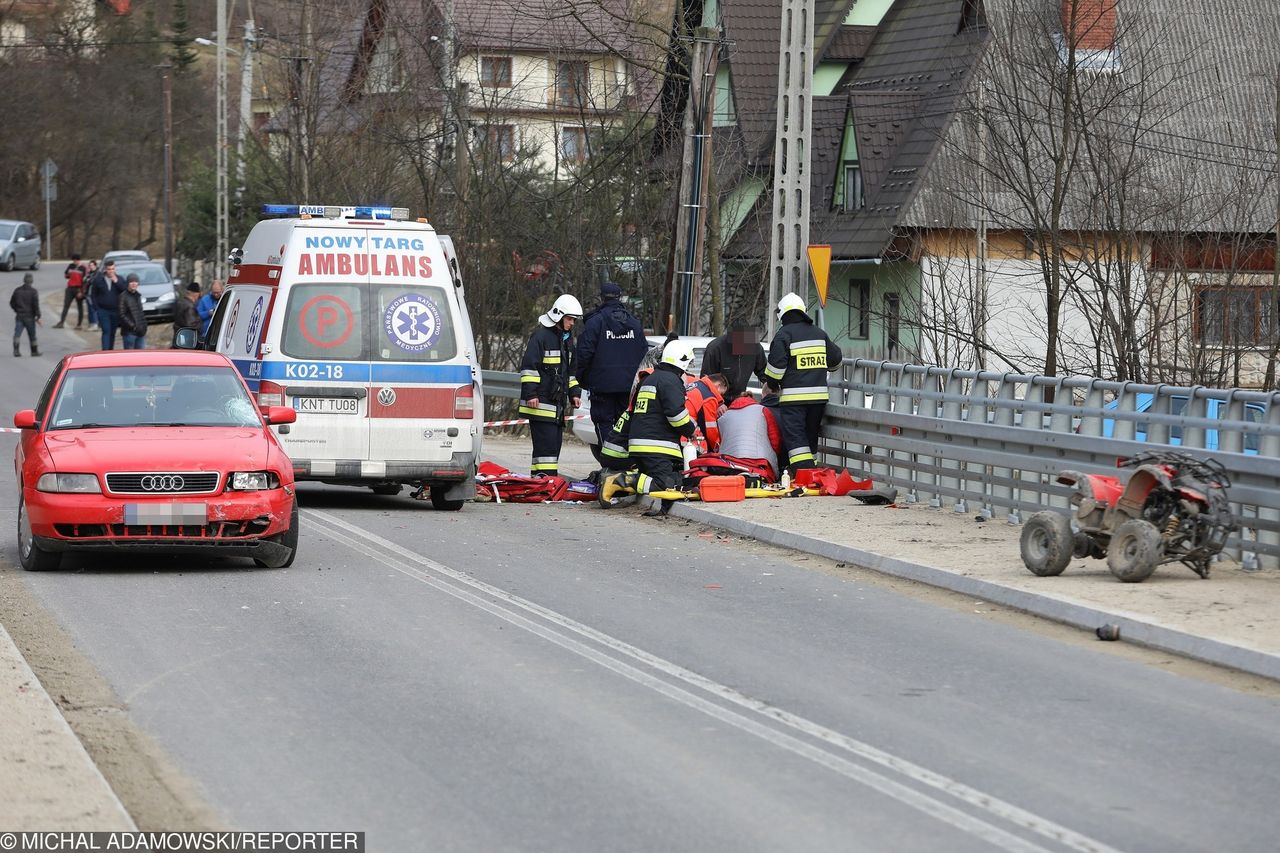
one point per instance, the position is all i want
(1135, 551)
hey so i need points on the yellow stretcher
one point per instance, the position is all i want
(617, 494)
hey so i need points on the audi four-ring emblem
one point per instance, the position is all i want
(162, 483)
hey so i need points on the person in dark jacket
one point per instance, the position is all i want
(547, 383)
(25, 303)
(133, 321)
(105, 290)
(737, 354)
(659, 420)
(185, 313)
(609, 351)
(799, 358)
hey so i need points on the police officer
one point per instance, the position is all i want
(547, 382)
(609, 350)
(659, 420)
(799, 358)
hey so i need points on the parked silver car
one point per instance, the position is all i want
(159, 289)
(19, 245)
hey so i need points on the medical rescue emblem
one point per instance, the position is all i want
(231, 326)
(387, 396)
(412, 322)
(251, 337)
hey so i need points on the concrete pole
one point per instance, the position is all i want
(220, 252)
(167, 84)
(789, 236)
(246, 103)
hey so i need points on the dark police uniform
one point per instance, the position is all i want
(546, 373)
(610, 348)
(800, 357)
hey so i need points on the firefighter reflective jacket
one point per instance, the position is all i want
(659, 418)
(800, 357)
(546, 373)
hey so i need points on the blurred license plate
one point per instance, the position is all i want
(327, 405)
(184, 513)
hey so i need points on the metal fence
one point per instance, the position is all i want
(992, 443)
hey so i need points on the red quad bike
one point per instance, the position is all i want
(1173, 508)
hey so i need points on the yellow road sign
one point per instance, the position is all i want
(820, 266)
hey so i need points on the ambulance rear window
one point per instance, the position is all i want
(348, 322)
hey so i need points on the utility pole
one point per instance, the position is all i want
(789, 236)
(695, 168)
(246, 103)
(980, 309)
(167, 86)
(220, 253)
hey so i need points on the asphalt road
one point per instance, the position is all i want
(560, 678)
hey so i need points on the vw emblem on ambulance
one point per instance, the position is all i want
(387, 396)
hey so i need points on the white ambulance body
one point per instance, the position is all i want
(359, 323)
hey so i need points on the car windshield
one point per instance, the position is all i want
(152, 396)
(147, 273)
(6, 232)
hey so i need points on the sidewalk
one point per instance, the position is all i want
(1228, 619)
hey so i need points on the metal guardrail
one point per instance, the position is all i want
(966, 440)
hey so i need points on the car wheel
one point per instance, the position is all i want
(439, 501)
(1047, 543)
(35, 263)
(32, 556)
(289, 539)
(9, 263)
(390, 489)
(1135, 551)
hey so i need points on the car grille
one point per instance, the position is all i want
(213, 530)
(164, 483)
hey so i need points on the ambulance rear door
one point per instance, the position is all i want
(318, 363)
(422, 394)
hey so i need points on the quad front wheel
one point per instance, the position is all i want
(1135, 551)
(1047, 543)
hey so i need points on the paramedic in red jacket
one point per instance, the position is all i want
(704, 400)
(750, 431)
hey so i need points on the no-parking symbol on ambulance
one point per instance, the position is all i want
(412, 322)
(326, 321)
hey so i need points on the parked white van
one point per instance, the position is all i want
(356, 318)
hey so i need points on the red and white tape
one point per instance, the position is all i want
(10, 429)
(522, 421)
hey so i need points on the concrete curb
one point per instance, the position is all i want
(1133, 628)
(93, 803)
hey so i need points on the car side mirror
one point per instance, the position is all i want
(186, 339)
(277, 415)
(25, 419)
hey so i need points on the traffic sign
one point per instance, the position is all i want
(48, 169)
(820, 265)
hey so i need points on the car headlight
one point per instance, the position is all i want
(254, 481)
(85, 484)
(167, 297)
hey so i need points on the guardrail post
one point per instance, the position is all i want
(1060, 420)
(1161, 404)
(1193, 434)
(1269, 445)
(953, 393)
(880, 392)
(904, 401)
(1002, 494)
(979, 412)
(1122, 427)
(930, 406)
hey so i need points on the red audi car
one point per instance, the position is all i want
(153, 450)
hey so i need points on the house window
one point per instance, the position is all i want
(859, 309)
(852, 186)
(892, 324)
(1236, 316)
(495, 71)
(571, 83)
(385, 74)
(972, 16)
(573, 144)
(500, 140)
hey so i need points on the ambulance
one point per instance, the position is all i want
(355, 317)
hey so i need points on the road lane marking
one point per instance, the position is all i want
(970, 796)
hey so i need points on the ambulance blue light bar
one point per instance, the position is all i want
(333, 211)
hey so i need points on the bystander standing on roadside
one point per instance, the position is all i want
(25, 303)
(608, 353)
(185, 313)
(74, 292)
(205, 307)
(133, 320)
(90, 272)
(737, 354)
(105, 292)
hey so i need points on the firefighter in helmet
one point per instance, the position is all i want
(548, 388)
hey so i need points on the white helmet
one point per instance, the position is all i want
(564, 306)
(679, 353)
(790, 302)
